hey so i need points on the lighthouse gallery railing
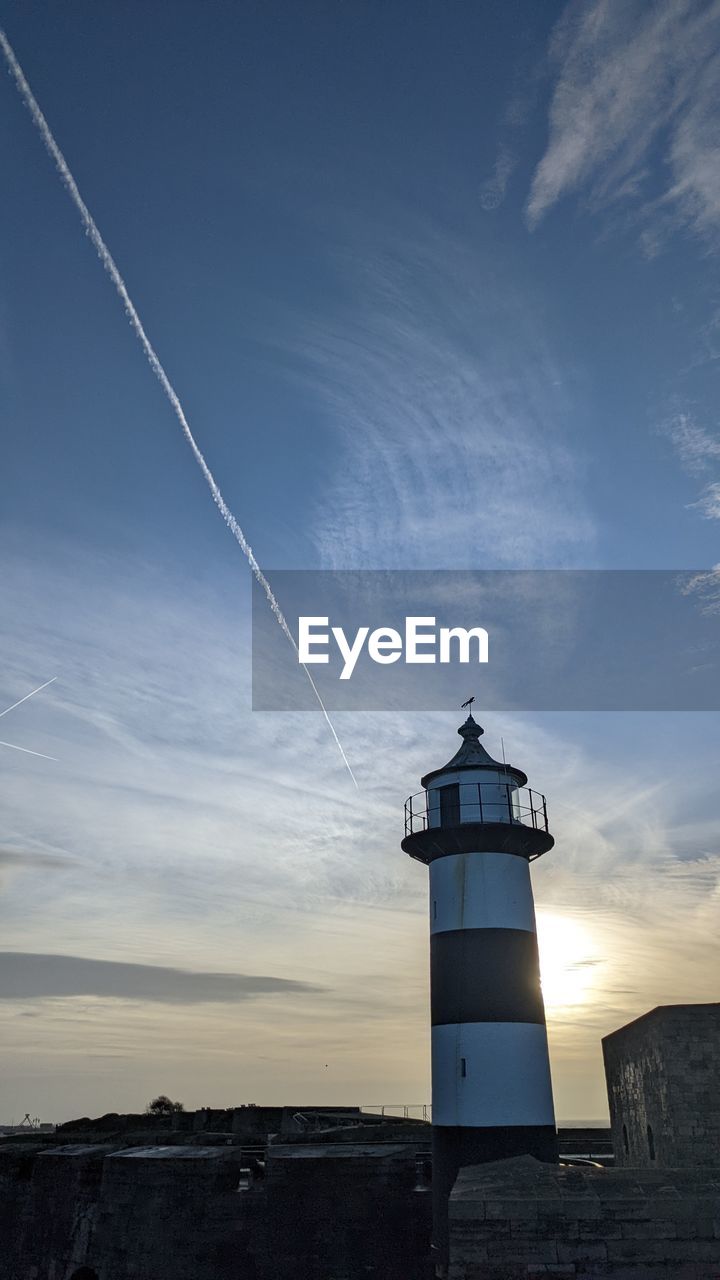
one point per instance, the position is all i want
(477, 802)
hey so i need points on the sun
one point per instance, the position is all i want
(568, 960)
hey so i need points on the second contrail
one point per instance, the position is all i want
(31, 694)
(153, 359)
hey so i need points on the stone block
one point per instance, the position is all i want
(489, 1229)
(637, 1251)
(630, 1211)
(577, 1251)
(692, 1251)
(522, 1210)
(560, 1270)
(473, 1209)
(578, 1207)
(655, 1230)
(496, 1209)
(536, 1251)
(604, 1230)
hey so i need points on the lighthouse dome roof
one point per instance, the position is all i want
(472, 755)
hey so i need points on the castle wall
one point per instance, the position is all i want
(166, 1213)
(346, 1210)
(663, 1082)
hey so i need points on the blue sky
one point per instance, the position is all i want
(436, 290)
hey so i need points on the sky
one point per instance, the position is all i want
(438, 288)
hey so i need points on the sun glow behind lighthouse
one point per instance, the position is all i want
(568, 961)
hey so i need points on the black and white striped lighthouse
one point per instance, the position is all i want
(478, 826)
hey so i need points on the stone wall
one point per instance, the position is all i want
(519, 1218)
(663, 1082)
(151, 1214)
(340, 1211)
(191, 1212)
(250, 1124)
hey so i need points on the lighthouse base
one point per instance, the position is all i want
(454, 1148)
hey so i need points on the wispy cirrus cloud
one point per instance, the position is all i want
(524, 87)
(635, 83)
(34, 861)
(709, 501)
(451, 414)
(18, 856)
(698, 449)
(705, 586)
(493, 189)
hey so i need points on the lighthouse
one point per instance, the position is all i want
(477, 826)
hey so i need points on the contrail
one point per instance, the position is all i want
(153, 359)
(27, 751)
(21, 700)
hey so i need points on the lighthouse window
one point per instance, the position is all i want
(651, 1142)
(434, 908)
(463, 1067)
(450, 805)
(626, 1144)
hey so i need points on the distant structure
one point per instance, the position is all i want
(28, 1125)
(663, 1082)
(477, 827)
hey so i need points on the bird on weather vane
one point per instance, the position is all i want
(467, 704)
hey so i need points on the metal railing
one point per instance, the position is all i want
(476, 802)
(402, 1110)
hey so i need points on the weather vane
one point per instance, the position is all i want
(467, 704)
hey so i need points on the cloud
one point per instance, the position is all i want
(706, 586)
(521, 104)
(449, 412)
(709, 501)
(696, 447)
(27, 976)
(492, 190)
(16, 860)
(25, 858)
(710, 335)
(635, 84)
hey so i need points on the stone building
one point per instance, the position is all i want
(663, 1081)
(520, 1218)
